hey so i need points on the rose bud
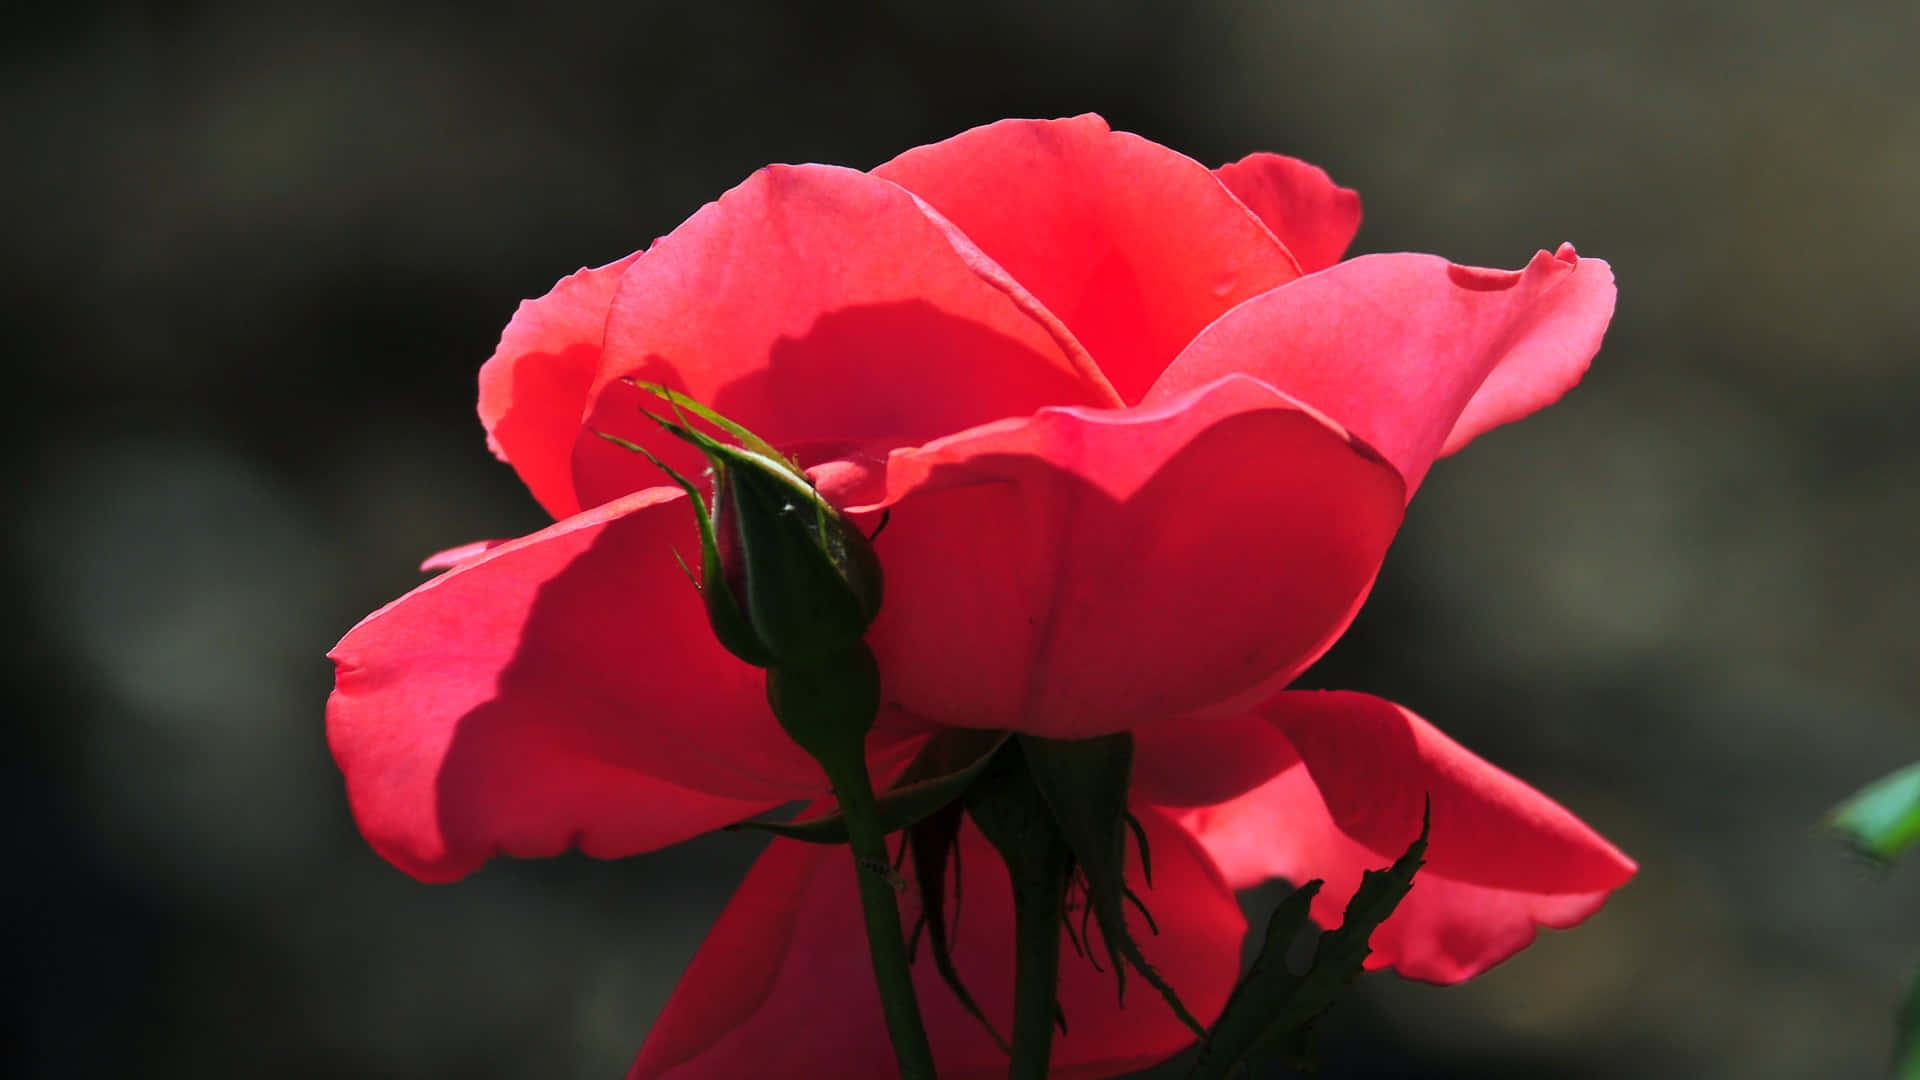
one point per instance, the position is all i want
(788, 581)
(797, 582)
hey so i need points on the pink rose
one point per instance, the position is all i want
(1145, 441)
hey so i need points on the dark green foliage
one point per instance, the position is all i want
(1271, 1012)
(1882, 819)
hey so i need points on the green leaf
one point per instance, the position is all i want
(1085, 783)
(1883, 819)
(1248, 1010)
(943, 771)
(1271, 1012)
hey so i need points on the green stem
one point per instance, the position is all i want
(1013, 816)
(879, 901)
(1037, 910)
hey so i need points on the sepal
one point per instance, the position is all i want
(1084, 783)
(933, 844)
(787, 580)
(950, 763)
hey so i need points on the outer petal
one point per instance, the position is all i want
(1503, 859)
(454, 556)
(561, 689)
(1315, 217)
(1134, 246)
(782, 986)
(533, 391)
(822, 308)
(1411, 353)
(1087, 571)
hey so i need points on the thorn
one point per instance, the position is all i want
(885, 869)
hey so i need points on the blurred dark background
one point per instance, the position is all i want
(256, 255)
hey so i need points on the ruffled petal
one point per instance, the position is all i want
(533, 391)
(1411, 353)
(1502, 859)
(559, 690)
(782, 986)
(1135, 247)
(1315, 217)
(1085, 571)
(822, 308)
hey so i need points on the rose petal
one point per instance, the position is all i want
(1409, 352)
(1196, 761)
(1135, 247)
(562, 689)
(782, 986)
(1549, 354)
(821, 308)
(454, 556)
(533, 391)
(1502, 859)
(1315, 217)
(1085, 571)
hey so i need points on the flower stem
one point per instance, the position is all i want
(828, 708)
(1038, 910)
(879, 901)
(1013, 816)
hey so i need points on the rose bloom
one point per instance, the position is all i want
(1145, 440)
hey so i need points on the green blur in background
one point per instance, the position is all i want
(256, 257)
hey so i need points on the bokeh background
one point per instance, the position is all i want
(256, 254)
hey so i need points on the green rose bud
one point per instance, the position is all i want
(797, 582)
(788, 581)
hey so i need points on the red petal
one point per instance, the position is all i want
(1133, 246)
(822, 308)
(533, 391)
(1198, 761)
(561, 689)
(1084, 571)
(1502, 859)
(454, 556)
(1315, 217)
(783, 987)
(1411, 353)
